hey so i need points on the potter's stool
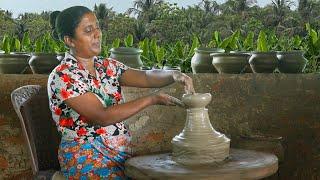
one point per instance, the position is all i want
(241, 164)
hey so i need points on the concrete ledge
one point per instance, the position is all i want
(286, 105)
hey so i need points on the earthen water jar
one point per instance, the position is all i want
(201, 61)
(128, 56)
(291, 61)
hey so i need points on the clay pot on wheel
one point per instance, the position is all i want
(199, 142)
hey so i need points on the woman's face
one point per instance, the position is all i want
(87, 39)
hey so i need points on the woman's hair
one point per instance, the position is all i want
(64, 23)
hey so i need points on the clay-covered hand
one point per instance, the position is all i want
(165, 99)
(185, 80)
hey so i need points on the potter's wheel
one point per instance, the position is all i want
(241, 164)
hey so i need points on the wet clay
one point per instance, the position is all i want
(199, 142)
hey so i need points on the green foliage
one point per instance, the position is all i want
(262, 42)
(128, 41)
(195, 44)
(46, 44)
(231, 42)
(116, 43)
(6, 44)
(26, 43)
(215, 40)
(248, 43)
(312, 46)
(104, 51)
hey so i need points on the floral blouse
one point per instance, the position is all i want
(70, 79)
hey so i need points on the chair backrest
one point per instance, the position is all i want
(32, 106)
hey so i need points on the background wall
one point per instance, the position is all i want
(254, 110)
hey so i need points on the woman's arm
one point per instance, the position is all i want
(155, 79)
(89, 106)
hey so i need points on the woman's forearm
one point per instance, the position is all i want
(159, 78)
(120, 112)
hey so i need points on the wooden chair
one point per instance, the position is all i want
(32, 107)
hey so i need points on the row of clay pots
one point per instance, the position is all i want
(44, 63)
(246, 62)
(18, 63)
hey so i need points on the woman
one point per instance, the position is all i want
(86, 101)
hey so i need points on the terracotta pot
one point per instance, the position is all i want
(263, 62)
(128, 56)
(13, 63)
(43, 63)
(201, 61)
(291, 62)
(233, 63)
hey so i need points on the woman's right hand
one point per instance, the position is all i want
(161, 98)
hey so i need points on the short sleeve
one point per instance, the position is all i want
(119, 67)
(65, 85)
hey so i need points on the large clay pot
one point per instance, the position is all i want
(248, 68)
(233, 63)
(128, 56)
(201, 61)
(263, 62)
(291, 61)
(199, 142)
(43, 63)
(13, 63)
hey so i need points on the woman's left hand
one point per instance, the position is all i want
(185, 80)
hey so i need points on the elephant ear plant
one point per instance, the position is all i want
(152, 54)
(263, 60)
(12, 63)
(312, 46)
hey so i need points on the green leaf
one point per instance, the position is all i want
(26, 42)
(38, 45)
(314, 36)
(297, 40)
(248, 42)
(224, 44)
(233, 42)
(153, 46)
(160, 55)
(262, 42)
(145, 47)
(128, 41)
(195, 44)
(116, 43)
(6, 44)
(178, 50)
(217, 37)
(17, 46)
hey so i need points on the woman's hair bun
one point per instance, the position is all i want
(53, 17)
